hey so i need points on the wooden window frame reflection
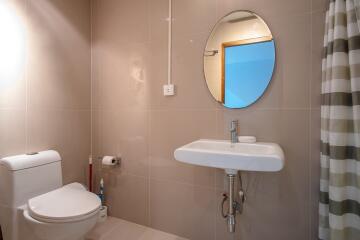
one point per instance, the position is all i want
(232, 44)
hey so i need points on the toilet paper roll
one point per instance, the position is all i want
(109, 161)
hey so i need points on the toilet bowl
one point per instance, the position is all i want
(67, 213)
(35, 205)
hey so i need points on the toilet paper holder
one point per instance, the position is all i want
(110, 161)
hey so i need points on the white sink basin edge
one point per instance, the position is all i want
(259, 156)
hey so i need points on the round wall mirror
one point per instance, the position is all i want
(239, 59)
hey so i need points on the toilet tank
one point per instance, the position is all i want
(25, 176)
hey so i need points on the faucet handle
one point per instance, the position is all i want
(234, 124)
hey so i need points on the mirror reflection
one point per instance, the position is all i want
(239, 59)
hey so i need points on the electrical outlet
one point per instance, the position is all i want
(169, 90)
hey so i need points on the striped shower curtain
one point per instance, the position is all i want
(339, 207)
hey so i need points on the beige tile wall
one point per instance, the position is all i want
(132, 118)
(48, 106)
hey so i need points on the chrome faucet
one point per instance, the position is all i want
(234, 132)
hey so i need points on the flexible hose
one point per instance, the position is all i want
(241, 194)
(225, 197)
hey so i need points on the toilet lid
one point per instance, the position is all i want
(68, 203)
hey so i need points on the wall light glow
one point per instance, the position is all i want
(12, 45)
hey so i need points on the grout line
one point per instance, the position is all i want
(217, 122)
(148, 145)
(310, 125)
(13, 108)
(49, 108)
(148, 131)
(170, 24)
(210, 188)
(148, 12)
(149, 166)
(163, 109)
(27, 10)
(216, 10)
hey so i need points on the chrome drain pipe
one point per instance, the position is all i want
(232, 204)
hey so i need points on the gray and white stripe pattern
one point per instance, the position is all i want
(339, 207)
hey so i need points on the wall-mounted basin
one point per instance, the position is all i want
(264, 157)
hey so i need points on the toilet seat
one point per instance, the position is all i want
(69, 203)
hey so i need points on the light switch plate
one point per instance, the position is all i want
(169, 90)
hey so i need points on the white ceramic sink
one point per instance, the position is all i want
(264, 157)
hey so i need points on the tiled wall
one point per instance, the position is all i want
(132, 118)
(48, 105)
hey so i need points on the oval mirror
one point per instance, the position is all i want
(239, 59)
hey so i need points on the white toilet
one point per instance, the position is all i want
(35, 206)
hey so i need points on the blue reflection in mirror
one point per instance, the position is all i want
(248, 71)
